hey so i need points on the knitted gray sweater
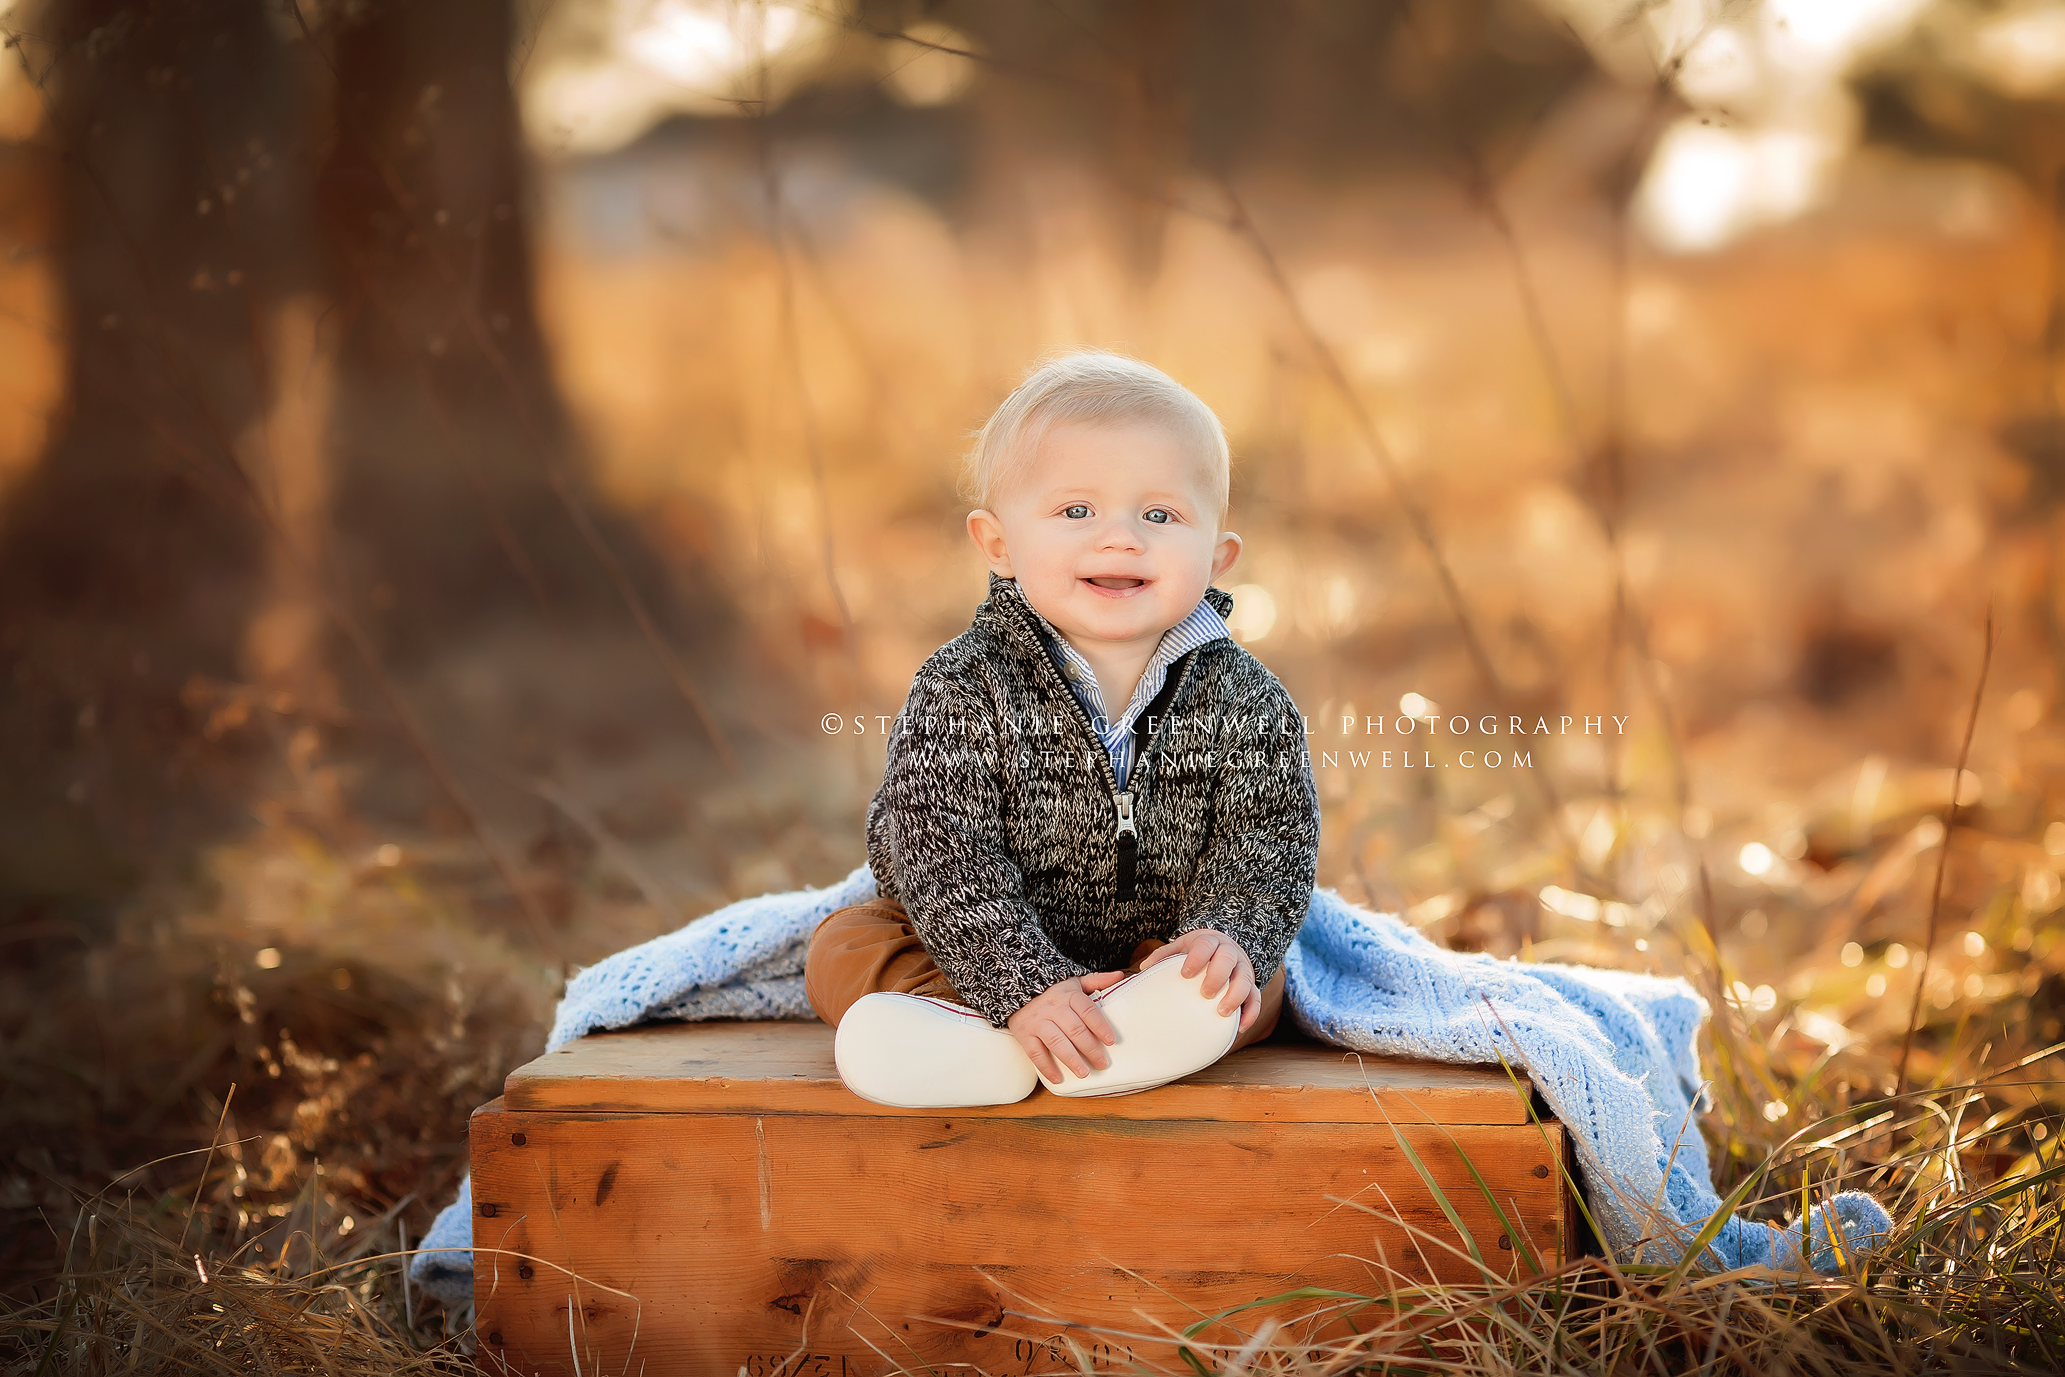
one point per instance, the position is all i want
(1000, 827)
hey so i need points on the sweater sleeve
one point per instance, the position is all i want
(941, 809)
(1254, 880)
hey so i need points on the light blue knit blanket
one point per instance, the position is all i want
(1614, 1055)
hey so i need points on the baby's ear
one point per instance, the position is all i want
(988, 534)
(1225, 553)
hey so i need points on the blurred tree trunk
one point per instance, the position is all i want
(450, 427)
(225, 167)
(130, 558)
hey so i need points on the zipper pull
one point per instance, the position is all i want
(1128, 842)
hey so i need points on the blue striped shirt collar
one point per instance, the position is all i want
(1203, 626)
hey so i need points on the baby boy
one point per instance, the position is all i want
(1088, 784)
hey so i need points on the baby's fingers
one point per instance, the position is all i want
(1075, 1046)
(1090, 1048)
(1063, 1051)
(1093, 1017)
(1161, 953)
(1238, 986)
(1043, 1061)
(1219, 971)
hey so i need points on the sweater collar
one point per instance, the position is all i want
(1006, 607)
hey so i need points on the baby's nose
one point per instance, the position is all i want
(1120, 533)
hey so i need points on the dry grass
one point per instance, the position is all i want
(362, 1005)
(133, 1301)
(352, 1016)
(362, 988)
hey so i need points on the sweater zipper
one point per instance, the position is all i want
(1128, 834)
(1129, 842)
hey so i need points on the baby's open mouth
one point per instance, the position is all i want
(1116, 583)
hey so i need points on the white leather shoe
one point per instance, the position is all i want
(1167, 1029)
(917, 1052)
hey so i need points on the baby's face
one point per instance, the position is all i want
(1109, 531)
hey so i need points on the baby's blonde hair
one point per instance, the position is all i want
(1093, 386)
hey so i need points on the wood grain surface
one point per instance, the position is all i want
(786, 1068)
(819, 1244)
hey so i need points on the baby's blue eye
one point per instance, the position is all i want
(1076, 510)
(1161, 515)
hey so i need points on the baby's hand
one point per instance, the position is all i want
(1224, 964)
(1065, 1025)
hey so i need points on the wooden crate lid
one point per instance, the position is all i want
(786, 1068)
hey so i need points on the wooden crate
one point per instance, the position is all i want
(706, 1198)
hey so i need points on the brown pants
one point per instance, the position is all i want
(871, 947)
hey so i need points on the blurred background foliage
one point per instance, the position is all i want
(455, 454)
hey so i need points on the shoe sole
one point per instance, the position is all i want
(1167, 1029)
(915, 1052)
